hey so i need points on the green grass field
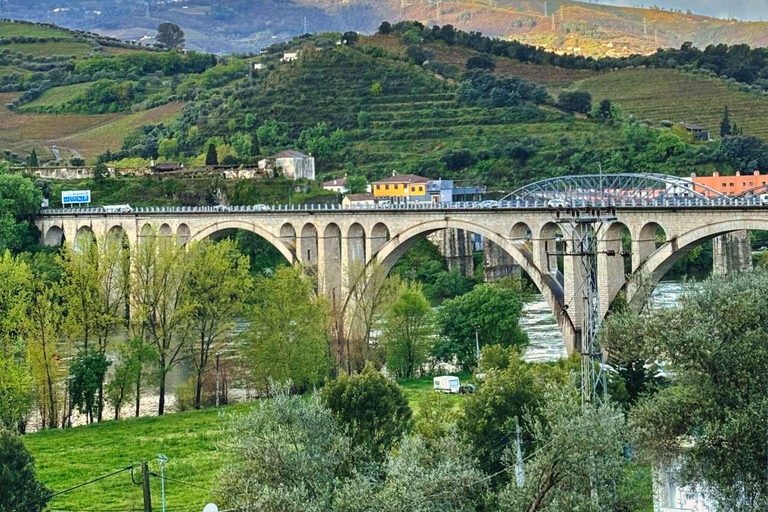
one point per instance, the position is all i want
(663, 94)
(59, 95)
(10, 70)
(190, 440)
(50, 48)
(8, 29)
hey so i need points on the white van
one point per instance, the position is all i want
(764, 198)
(447, 384)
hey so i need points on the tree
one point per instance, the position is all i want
(160, 269)
(120, 389)
(378, 425)
(87, 373)
(575, 101)
(357, 184)
(376, 89)
(15, 301)
(408, 330)
(385, 28)
(489, 312)
(243, 145)
(288, 454)
(288, 338)
(16, 397)
(481, 61)
(77, 161)
(217, 284)
(725, 124)
(712, 415)
(350, 38)
(32, 160)
(578, 461)
(211, 158)
(170, 35)
(168, 148)
(19, 201)
(19, 487)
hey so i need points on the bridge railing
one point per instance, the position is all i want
(744, 201)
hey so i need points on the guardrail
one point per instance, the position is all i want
(459, 206)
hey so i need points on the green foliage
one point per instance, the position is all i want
(356, 184)
(15, 299)
(32, 160)
(19, 200)
(408, 330)
(16, 397)
(436, 417)
(490, 310)
(725, 124)
(575, 101)
(211, 157)
(170, 35)
(168, 148)
(88, 371)
(713, 345)
(289, 454)
(372, 408)
(565, 436)
(288, 339)
(376, 89)
(481, 61)
(19, 487)
(449, 285)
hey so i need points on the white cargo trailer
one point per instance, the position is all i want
(447, 384)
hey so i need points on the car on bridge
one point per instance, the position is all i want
(117, 208)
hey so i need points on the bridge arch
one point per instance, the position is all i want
(288, 236)
(356, 244)
(216, 228)
(54, 236)
(547, 283)
(653, 269)
(379, 237)
(183, 234)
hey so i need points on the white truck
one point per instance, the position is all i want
(447, 384)
(117, 208)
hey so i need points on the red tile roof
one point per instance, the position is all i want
(403, 178)
(339, 182)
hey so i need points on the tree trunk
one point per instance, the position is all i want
(199, 388)
(100, 410)
(138, 394)
(161, 398)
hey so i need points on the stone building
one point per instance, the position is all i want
(294, 165)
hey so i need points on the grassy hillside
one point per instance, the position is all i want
(60, 95)
(8, 30)
(660, 94)
(47, 49)
(190, 440)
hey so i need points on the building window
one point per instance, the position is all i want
(725, 184)
(386, 186)
(378, 187)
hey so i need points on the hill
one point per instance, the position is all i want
(665, 94)
(568, 26)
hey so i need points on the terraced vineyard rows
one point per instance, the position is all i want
(661, 94)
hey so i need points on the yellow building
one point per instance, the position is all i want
(407, 186)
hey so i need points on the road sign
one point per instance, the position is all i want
(75, 197)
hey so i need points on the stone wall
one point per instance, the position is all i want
(497, 264)
(731, 253)
(456, 246)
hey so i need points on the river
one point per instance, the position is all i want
(546, 342)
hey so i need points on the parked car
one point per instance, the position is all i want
(261, 208)
(221, 208)
(489, 203)
(557, 203)
(447, 384)
(763, 198)
(117, 208)
(467, 389)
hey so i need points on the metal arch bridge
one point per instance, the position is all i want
(624, 188)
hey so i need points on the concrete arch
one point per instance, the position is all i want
(613, 269)
(247, 226)
(550, 235)
(83, 238)
(54, 236)
(547, 284)
(356, 244)
(379, 237)
(288, 236)
(308, 246)
(165, 230)
(645, 242)
(147, 231)
(659, 263)
(183, 234)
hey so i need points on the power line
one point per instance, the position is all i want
(89, 482)
(179, 481)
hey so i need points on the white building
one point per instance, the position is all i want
(290, 56)
(358, 201)
(671, 494)
(293, 164)
(338, 185)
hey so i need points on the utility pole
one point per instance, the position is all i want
(554, 27)
(218, 378)
(546, 14)
(145, 482)
(585, 225)
(645, 28)
(305, 25)
(162, 459)
(519, 467)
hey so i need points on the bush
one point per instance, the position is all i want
(372, 407)
(481, 61)
(576, 101)
(19, 488)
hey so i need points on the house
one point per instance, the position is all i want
(337, 185)
(672, 494)
(401, 187)
(259, 66)
(290, 56)
(448, 191)
(730, 185)
(699, 132)
(295, 165)
(358, 201)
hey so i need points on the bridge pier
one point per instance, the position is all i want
(497, 264)
(456, 246)
(731, 252)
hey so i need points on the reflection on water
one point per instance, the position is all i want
(546, 342)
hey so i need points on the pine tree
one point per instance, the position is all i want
(212, 158)
(725, 124)
(32, 161)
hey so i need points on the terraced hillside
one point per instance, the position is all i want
(662, 94)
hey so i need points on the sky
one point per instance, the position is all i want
(753, 10)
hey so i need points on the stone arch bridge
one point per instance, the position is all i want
(652, 232)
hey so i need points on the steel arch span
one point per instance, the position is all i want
(611, 189)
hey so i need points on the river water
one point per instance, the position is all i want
(546, 342)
